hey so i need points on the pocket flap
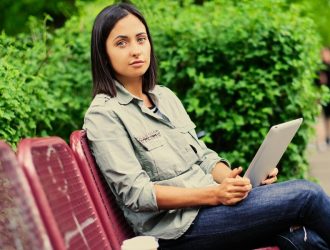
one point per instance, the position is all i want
(187, 127)
(151, 140)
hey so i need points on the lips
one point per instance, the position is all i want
(137, 62)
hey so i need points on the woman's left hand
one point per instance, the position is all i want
(271, 178)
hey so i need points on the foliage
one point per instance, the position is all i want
(68, 68)
(46, 81)
(240, 73)
(237, 74)
(25, 106)
(319, 11)
(14, 14)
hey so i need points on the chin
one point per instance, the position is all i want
(139, 72)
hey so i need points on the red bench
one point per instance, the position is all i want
(20, 223)
(111, 216)
(63, 199)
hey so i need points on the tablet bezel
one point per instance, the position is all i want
(271, 151)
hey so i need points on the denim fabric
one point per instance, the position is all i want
(300, 238)
(263, 218)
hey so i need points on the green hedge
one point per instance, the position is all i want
(15, 13)
(238, 67)
(26, 106)
(46, 80)
(318, 10)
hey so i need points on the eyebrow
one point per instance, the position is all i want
(125, 37)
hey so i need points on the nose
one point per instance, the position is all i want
(136, 50)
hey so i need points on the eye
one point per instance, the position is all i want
(141, 39)
(121, 44)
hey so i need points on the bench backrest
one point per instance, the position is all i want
(20, 223)
(61, 194)
(111, 216)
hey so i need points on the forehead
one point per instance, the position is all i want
(130, 25)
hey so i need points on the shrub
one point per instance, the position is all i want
(318, 10)
(46, 81)
(239, 68)
(25, 104)
(15, 13)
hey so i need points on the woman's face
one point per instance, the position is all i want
(128, 49)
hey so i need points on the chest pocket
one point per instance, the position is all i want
(165, 157)
(188, 131)
(151, 140)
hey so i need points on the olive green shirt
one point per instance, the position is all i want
(136, 148)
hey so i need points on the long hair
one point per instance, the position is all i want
(102, 70)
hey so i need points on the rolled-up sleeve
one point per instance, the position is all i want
(210, 159)
(115, 156)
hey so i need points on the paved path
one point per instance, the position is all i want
(319, 157)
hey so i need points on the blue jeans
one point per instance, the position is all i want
(263, 218)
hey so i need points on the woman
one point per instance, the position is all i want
(166, 181)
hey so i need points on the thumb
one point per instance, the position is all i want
(235, 172)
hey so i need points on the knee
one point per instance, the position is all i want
(308, 185)
(309, 188)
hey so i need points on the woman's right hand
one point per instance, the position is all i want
(233, 188)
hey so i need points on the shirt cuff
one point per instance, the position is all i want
(224, 161)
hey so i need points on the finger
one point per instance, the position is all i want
(238, 181)
(234, 201)
(245, 196)
(240, 189)
(269, 181)
(231, 195)
(238, 195)
(235, 172)
(273, 173)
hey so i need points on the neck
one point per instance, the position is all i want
(134, 86)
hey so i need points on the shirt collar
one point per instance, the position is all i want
(125, 97)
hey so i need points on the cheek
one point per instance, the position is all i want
(147, 53)
(148, 50)
(113, 56)
(116, 60)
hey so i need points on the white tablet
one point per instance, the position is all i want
(271, 151)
